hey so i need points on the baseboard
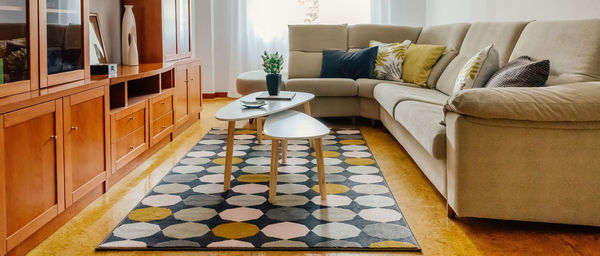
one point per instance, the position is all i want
(214, 95)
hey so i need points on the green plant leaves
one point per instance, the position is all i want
(272, 63)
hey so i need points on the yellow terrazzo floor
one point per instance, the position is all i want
(422, 206)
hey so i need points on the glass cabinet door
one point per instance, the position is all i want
(63, 40)
(183, 27)
(17, 38)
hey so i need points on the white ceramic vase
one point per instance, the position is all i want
(129, 38)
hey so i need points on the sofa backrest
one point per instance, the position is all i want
(359, 36)
(307, 43)
(503, 35)
(451, 36)
(573, 48)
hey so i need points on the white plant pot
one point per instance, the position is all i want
(129, 38)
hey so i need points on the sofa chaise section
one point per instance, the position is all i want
(531, 154)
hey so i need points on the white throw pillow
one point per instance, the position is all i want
(390, 58)
(478, 70)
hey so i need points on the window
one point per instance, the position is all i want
(269, 18)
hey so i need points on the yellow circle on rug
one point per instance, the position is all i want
(149, 214)
(235, 230)
(221, 160)
(392, 244)
(359, 161)
(352, 142)
(245, 132)
(327, 154)
(332, 189)
(254, 178)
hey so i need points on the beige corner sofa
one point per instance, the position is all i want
(530, 154)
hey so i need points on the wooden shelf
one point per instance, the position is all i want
(135, 100)
(12, 8)
(126, 73)
(61, 11)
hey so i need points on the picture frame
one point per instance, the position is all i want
(98, 54)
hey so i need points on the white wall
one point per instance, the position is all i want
(451, 11)
(109, 13)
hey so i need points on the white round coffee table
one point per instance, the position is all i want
(294, 125)
(234, 111)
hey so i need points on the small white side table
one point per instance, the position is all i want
(292, 125)
(234, 111)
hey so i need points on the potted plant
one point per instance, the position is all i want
(273, 64)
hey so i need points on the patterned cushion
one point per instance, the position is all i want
(389, 60)
(476, 72)
(521, 72)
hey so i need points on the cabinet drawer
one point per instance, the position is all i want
(162, 123)
(161, 107)
(131, 142)
(130, 123)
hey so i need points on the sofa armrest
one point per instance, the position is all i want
(577, 102)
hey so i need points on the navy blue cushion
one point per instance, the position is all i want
(354, 65)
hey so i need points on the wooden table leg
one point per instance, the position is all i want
(259, 130)
(307, 108)
(229, 155)
(273, 178)
(318, 143)
(284, 146)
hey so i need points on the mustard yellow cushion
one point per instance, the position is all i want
(418, 62)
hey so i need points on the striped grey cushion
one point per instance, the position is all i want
(521, 72)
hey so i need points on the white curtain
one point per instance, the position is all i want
(381, 12)
(248, 28)
(241, 30)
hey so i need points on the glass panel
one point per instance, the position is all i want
(14, 56)
(183, 32)
(64, 33)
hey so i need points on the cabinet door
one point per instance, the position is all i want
(18, 52)
(194, 89)
(180, 96)
(169, 30)
(183, 28)
(86, 140)
(31, 145)
(64, 42)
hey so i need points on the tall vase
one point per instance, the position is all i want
(129, 38)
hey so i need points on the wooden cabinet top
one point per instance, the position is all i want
(18, 101)
(125, 73)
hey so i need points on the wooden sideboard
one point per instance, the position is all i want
(65, 136)
(51, 138)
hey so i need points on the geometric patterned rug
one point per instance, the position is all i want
(188, 210)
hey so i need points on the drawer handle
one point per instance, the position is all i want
(54, 137)
(164, 126)
(131, 118)
(74, 128)
(131, 147)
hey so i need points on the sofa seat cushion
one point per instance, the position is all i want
(367, 85)
(389, 95)
(324, 86)
(422, 121)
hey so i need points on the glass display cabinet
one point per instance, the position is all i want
(18, 62)
(64, 50)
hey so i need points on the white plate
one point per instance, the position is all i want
(254, 104)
